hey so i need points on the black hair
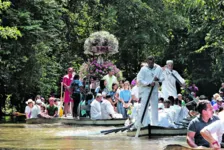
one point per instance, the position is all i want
(161, 99)
(76, 77)
(202, 105)
(102, 86)
(167, 101)
(89, 96)
(151, 58)
(176, 101)
(171, 98)
(108, 96)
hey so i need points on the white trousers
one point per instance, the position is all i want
(151, 117)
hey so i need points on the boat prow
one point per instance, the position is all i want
(181, 147)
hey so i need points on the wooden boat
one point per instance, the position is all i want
(158, 131)
(181, 147)
(81, 121)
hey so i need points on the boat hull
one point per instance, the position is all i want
(81, 121)
(158, 131)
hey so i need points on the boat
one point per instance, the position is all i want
(152, 131)
(181, 147)
(81, 121)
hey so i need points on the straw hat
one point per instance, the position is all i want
(30, 101)
(219, 99)
(216, 95)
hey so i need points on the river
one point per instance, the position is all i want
(57, 136)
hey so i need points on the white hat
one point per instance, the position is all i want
(38, 101)
(104, 93)
(30, 101)
(160, 105)
(98, 94)
(219, 99)
(169, 62)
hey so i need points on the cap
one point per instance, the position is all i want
(38, 101)
(219, 99)
(169, 62)
(98, 94)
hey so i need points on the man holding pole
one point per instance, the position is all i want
(169, 83)
(147, 80)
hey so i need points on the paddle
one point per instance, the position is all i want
(143, 115)
(61, 102)
(122, 129)
(18, 114)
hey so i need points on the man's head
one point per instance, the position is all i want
(70, 70)
(205, 108)
(110, 71)
(76, 77)
(30, 102)
(51, 100)
(167, 103)
(38, 102)
(179, 96)
(219, 101)
(150, 61)
(99, 97)
(108, 97)
(169, 64)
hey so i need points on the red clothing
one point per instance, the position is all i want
(67, 80)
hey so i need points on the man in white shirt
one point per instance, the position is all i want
(147, 78)
(35, 112)
(164, 118)
(95, 110)
(107, 109)
(213, 133)
(169, 83)
(169, 111)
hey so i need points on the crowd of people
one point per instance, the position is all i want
(109, 98)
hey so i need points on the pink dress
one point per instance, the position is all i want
(67, 80)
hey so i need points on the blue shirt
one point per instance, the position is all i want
(125, 95)
(75, 85)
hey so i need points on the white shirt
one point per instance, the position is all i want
(146, 76)
(95, 110)
(134, 91)
(177, 110)
(164, 120)
(106, 109)
(35, 111)
(216, 129)
(169, 83)
(28, 109)
(171, 113)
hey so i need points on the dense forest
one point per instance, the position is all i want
(40, 39)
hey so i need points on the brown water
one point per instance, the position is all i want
(48, 136)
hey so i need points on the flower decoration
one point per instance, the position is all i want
(99, 70)
(101, 42)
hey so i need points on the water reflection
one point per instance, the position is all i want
(59, 136)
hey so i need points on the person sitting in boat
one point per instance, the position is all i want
(180, 98)
(29, 107)
(36, 111)
(164, 119)
(219, 104)
(95, 109)
(177, 109)
(52, 110)
(213, 133)
(194, 138)
(107, 109)
(169, 111)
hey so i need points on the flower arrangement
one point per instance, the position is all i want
(101, 42)
(99, 70)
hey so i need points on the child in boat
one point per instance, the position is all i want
(52, 110)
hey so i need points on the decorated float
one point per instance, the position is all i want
(99, 46)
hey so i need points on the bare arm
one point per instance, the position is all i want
(190, 139)
(208, 137)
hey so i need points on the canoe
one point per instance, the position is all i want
(81, 121)
(151, 131)
(181, 147)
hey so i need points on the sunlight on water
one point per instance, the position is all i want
(57, 136)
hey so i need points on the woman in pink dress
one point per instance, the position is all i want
(67, 79)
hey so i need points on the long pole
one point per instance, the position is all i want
(143, 115)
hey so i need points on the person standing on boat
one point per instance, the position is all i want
(110, 78)
(76, 88)
(169, 83)
(67, 80)
(95, 109)
(194, 138)
(147, 78)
